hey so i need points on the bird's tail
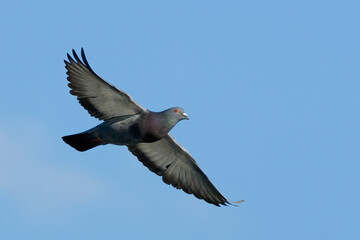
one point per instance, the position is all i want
(82, 141)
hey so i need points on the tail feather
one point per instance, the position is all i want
(82, 141)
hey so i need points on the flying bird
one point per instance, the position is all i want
(145, 133)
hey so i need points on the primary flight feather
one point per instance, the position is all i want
(145, 133)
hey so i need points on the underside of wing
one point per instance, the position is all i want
(169, 159)
(101, 99)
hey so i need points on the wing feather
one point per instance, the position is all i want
(170, 160)
(101, 99)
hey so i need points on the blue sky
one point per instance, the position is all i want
(271, 89)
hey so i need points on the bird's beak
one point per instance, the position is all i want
(185, 116)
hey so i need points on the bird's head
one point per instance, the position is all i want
(160, 123)
(177, 113)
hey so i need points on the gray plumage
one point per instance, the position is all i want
(145, 133)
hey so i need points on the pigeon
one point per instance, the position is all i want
(143, 132)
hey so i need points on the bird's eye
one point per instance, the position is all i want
(176, 110)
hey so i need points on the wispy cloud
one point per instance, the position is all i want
(34, 185)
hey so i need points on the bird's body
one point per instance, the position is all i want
(128, 130)
(145, 133)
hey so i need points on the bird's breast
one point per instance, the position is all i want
(148, 138)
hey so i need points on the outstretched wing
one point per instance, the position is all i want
(101, 99)
(169, 159)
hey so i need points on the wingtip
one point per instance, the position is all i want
(235, 203)
(77, 57)
(84, 57)
(69, 57)
(85, 61)
(73, 52)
